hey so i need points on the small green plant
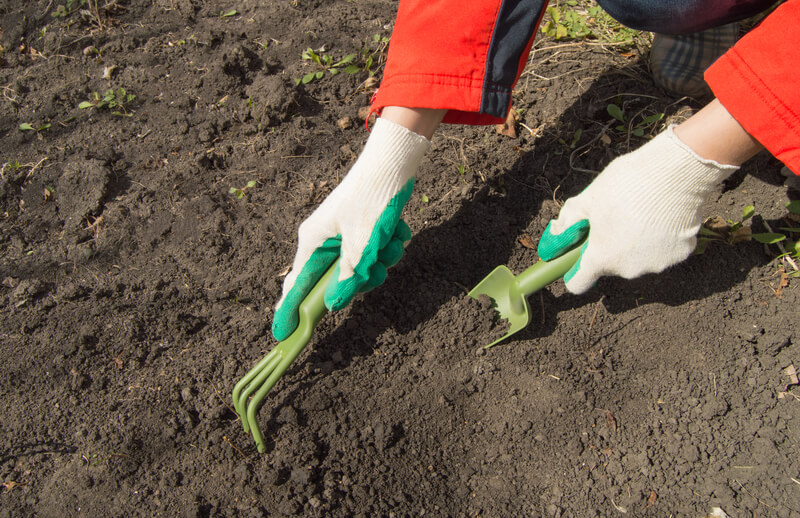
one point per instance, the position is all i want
(569, 20)
(27, 126)
(228, 14)
(732, 232)
(566, 23)
(240, 192)
(66, 9)
(724, 230)
(372, 55)
(634, 127)
(786, 238)
(116, 101)
(576, 137)
(325, 63)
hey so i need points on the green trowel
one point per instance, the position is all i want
(509, 292)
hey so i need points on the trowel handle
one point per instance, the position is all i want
(545, 272)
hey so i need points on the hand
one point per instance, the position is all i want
(359, 223)
(642, 213)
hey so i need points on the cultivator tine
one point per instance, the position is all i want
(250, 392)
(258, 399)
(251, 382)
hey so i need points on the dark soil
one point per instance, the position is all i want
(137, 289)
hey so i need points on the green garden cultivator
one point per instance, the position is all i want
(261, 378)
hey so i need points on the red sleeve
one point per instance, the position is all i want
(464, 56)
(758, 82)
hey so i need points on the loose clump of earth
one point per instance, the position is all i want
(483, 315)
(137, 286)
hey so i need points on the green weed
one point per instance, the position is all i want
(325, 63)
(576, 137)
(67, 9)
(634, 126)
(115, 100)
(27, 126)
(240, 192)
(571, 20)
(372, 54)
(785, 238)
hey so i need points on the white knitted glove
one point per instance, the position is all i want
(642, 213)
(359, 221)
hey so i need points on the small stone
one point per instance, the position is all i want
(364, 112)
(345, 123)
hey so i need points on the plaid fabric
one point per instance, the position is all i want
(677, 63)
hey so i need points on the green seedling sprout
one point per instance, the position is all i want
(228, 14)
(726, 231)
(27, 126)
(66, 9)
(571, 21)
(369, 53)
(240, 192)
(785, 238)
(324, 63)
(110, 100)
(628, 126)
(576, 137)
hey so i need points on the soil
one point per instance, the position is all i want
(137, 289)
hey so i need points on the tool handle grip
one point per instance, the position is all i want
(543, 273)
(312, 309)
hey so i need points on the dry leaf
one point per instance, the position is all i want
(717, 224)
(740, 235)
(791, 373)
(651, 499)
(509, 127)
(782, 283)
(527, 241)
(48, 194)
(610, 421)
(371, 83)
(605, 139)
(10, 484)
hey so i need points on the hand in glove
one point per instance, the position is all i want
(359, 223)
(642, 213)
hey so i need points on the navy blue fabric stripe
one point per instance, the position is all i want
(681, 16)
(514, 27)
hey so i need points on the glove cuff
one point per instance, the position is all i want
(682, 179)
(687, 167)
(388, 161)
